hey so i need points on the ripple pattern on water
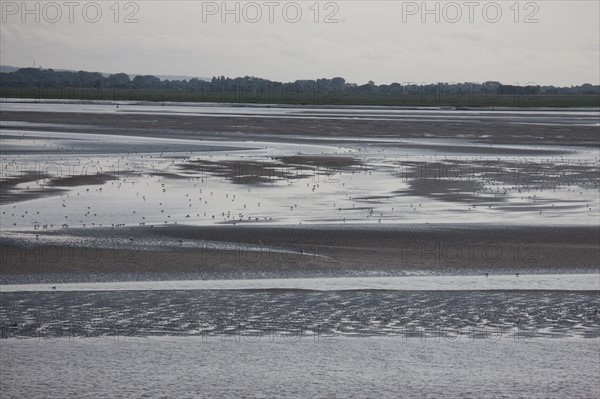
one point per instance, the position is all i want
(297, 313)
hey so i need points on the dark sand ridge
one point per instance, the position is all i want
(481, 181)
(46, 186)
(290, 168)
(477, 181)
(334, 250)
(9, 194)
(189, 127)
(243, 172)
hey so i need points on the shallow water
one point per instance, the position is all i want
(586, 116)
(133, 181)
(299, 368)
(279, 312)
(558, 282)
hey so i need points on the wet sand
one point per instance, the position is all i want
(189, 252)
(194, 126)
(237, 247)
(45, 185)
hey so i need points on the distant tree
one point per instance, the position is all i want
(88, 79)
(118, 79)
(338, 82)
(254, 88)
(146, 82)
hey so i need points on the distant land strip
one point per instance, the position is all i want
(35, 84)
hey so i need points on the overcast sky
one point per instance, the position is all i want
(383, 41)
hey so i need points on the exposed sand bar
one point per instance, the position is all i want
(190, 252)
(498, 131)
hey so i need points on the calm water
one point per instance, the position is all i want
(568, 282)
(333, 368)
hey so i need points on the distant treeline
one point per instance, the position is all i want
(35, 83)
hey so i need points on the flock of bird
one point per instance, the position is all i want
(371, 193)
